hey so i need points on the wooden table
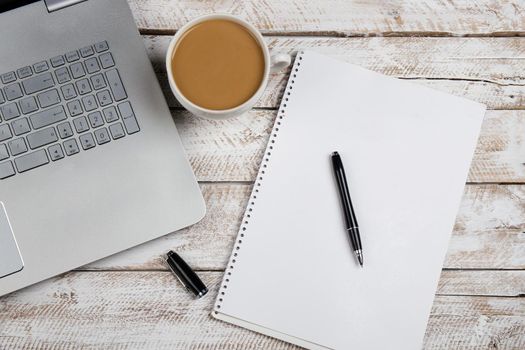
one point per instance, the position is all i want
(474, 49)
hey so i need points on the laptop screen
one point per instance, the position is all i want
(6, 5)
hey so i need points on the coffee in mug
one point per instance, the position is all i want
(218, 64)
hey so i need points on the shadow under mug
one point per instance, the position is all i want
(273, 63)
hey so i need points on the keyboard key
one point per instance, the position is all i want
(68, 91)
(48, 117)
(89, 103)
(106, 60)
(117, 131)
(116, 86)
(2, 100)
(42, 137)
(13, 91)
(102, 136)
(77, 70)
(72, 56)
(31, 161)
(110, 114)
(24, 72)
(3, 152)
(128, 117)
(38, 83)
(20, 126)
(62, 75)
(98, 81)
(8, 77)
(28, 105)
(87, 51)
(48, 98)
(17, 146)
(55, 152)
(87, 141)
(104, 98)
(71, 147)
(92, 65)
(81, 124)
(64, 130)
(101, 46)
(83, 86)
(74, 108)
(10, 111)
(57, 61)
(5, 132)
(40, 67)
(95, 119)
(6, 170)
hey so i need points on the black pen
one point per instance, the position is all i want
(351, 221)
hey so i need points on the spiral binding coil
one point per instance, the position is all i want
(260, 177)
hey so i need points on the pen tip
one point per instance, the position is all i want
(334, 153)
(359, 256)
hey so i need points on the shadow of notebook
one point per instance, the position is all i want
(407, 151)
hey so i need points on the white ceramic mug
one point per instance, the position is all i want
(273, 63)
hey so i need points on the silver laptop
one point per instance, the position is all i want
(90, 160)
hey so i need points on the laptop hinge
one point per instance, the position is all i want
(55, 5)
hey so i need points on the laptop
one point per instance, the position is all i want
(90, 160)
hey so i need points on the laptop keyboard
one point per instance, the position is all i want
(58, 107)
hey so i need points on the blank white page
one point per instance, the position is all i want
(406, 151)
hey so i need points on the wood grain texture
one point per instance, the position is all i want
(500, 152)
(482, 283)
(490, 229)
(489, 232)
(231, 150)
(118, 310)
(487, 70)
(150, 310)
(345, 18)
(226, 150)
(489, 323)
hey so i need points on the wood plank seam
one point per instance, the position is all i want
(465, 79)
(339, 34)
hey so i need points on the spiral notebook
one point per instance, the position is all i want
(407, 150)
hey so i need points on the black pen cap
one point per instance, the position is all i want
(186, 275)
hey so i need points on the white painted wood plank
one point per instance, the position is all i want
(490, 229)
(489, 323)
(500, 152)
(150, 310)
(341, 17)
(226, 150)
(488, 70)
(497, 60)
(482, 283)
(488, 232)
(231, 150)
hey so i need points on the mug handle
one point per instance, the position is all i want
(279, 61)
